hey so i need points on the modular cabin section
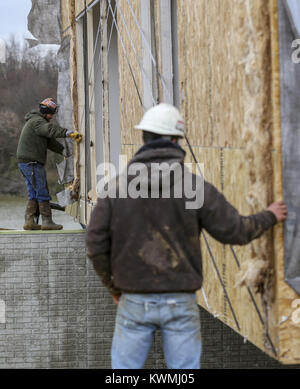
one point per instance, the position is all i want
(219, 62)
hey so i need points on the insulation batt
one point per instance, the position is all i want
(252, 274)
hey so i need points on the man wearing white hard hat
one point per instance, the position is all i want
(146, 251)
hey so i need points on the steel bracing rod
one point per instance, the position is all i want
(221, 281)
(95, 74)
(148, 47)
(94, 53)
(89, 78)
(142, 33)
(208, 247)
(193, 155)
(254, 303)
(125, 53)
(134, 49)
(87, 153)
(136, 55)
(128, 62)
(99, 59)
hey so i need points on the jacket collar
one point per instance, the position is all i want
(160, 150)
(160, 144)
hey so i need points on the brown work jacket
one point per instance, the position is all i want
(151, 245)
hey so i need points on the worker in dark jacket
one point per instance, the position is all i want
(38, 135)
(147, 250)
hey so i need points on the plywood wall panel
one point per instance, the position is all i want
(223, 67)
(129, 151)
(211, 160)
(194, 70)
(131, 109)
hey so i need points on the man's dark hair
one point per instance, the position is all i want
(150, 137)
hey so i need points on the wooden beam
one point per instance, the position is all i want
(71, 5)
(91, 68)
(81, 100)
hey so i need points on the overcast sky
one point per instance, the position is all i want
(13, 18)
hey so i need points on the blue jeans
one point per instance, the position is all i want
(140, 315)
(36, 181)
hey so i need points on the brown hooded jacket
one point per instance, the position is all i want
(151, 245)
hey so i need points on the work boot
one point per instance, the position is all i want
(30, 214)
(47, 222)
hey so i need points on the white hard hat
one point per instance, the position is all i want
(162, 119)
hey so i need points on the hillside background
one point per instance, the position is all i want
(27, 77)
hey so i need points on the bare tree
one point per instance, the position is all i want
(26, 78)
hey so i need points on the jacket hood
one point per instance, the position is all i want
(156, 169)
(32, 113)
(157, 166)
(156, 172)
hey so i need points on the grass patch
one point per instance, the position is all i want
(12, 199)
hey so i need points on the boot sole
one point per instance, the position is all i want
(51, 229)
(27, 228)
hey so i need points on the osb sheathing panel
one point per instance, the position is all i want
(130, 106)
(80, 6)
(225, 67)
(129, 151)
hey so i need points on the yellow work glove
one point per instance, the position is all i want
(76, 136)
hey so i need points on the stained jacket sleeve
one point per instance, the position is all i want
(50, 130)
(55, 146)
(98, 242)
(224, 223)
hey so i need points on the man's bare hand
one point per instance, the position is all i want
(279, 209)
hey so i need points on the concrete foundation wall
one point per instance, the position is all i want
(58, 315)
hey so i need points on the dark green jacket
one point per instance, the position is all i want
(37, 136)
